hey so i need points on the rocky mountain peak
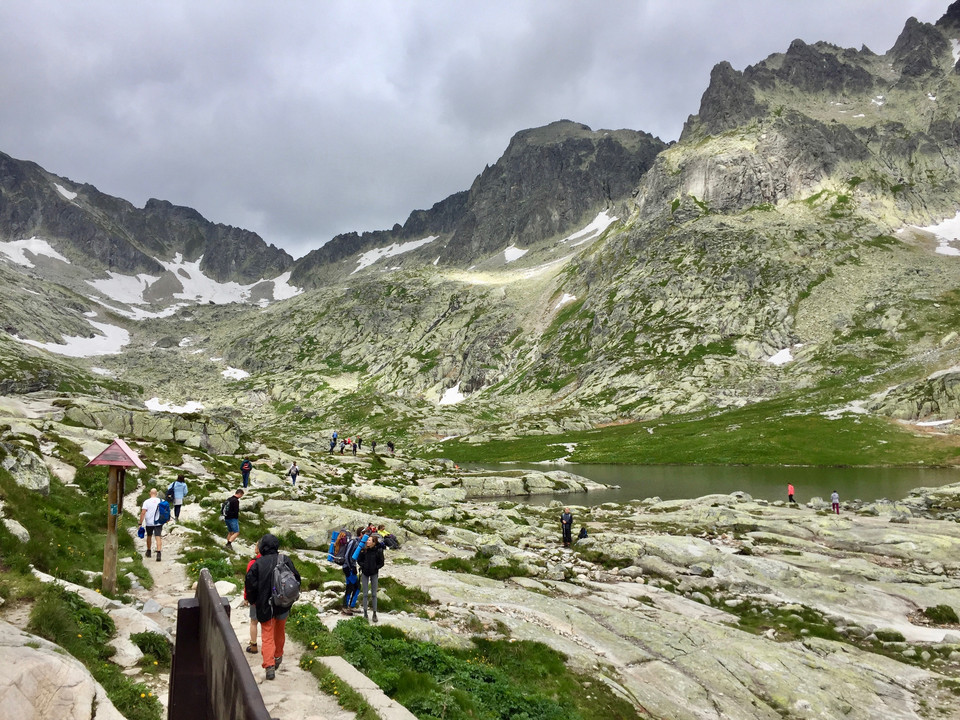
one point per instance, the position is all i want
(727, 102)
(918, 49)
(950, 21)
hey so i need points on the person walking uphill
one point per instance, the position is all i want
(245, 467)
(178, 490)
(148, 512)
(260, 589)
(350, 573)
(370, 562)
(566, 525)
(231, 517)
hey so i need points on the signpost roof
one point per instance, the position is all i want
(118, 454)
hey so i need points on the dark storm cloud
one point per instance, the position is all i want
(300, 120)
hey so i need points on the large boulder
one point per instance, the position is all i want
(26, 467)
(41, 681)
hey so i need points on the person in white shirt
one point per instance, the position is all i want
(149, 513)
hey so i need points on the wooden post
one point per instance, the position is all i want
(110, 546)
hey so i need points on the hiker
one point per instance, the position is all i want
(343, 444)
(359, 443)
(373, 447)
(333, 444)
(252, 647)
(390, 446)
(355, 446)
(293, 472)
(350, 574)
(259, 586)
(231, 516)
(149, 512)
(790, 493)
(834, 502)
(566, 525)
(370, 562)
(245, 467)
(583, 532)
(176, 493)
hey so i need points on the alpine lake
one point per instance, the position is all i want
(674, 482)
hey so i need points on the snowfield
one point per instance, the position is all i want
(16, 251)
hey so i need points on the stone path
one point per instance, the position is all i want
(292, 695)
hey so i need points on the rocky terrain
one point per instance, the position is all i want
(818, 615)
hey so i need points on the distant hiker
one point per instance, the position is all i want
(359, 443)
(790, 493)
(148, 512)
(178, 491)
(252, 602)
(231, 517)
(260, 586)
(583, 532)
(373, 447)
(370, 562)
(343, 444)
(566, 526)
(350, 573)
(334, 435)
(390, 446)
(333, 444)
(355, 446)
(293, 472)
(245, 467)
(834, 502)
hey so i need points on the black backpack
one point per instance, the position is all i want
(286, 588)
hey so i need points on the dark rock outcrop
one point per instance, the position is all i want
(107, 233)
(918, 49)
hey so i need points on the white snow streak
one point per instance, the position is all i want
(600, 223)
(233, 373)
(567, 297)
(955, 48)
(111, 342)
(16, 250)
(155, 405)
(371, 256)
(66, 193)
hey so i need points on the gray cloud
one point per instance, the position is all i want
(300, 120)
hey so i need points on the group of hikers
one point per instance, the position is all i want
(354, 444)
(834, 498)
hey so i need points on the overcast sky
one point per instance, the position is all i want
(301, 120)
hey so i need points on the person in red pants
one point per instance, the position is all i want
(258, 587)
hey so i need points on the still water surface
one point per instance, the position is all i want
(671, 482)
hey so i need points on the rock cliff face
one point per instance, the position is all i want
(106, 233)
(548, 182)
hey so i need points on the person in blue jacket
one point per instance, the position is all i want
(179, 491)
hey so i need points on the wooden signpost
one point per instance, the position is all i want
(117, 457)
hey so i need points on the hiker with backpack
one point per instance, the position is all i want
(245, 467)
(293, 473)
(273, 585)
(152, 511)
(370, 561)
(230, 512)
(348, 548)
(176, 493)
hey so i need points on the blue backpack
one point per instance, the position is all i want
(163, 513)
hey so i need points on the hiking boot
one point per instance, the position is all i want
(158, 556)
(252, 649)
(365, 615)
(148, 553)
(271, 673)
(277, 661)
(374, 618)
(346, 611)
(229, 545)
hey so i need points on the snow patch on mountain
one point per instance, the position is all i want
(232, 373)
(155, 405)
(452, 396)
(197, 287)
(66, 193)
(371, 256)
(513, 253)
(110, 342)
(600, 223)
(946, 232)
(16, 251)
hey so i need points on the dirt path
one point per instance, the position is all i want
(292, 695)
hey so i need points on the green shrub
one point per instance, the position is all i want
(155, 648)
(889, 636)
(942, 614)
